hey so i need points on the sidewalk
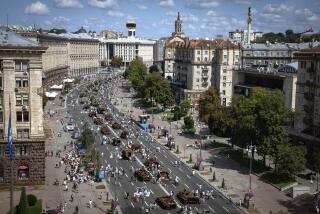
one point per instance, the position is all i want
(266, 197)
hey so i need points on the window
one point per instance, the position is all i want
(22, 116)
(224, 92)
(205, 59)
(1, 116)
(22, 133)
(198, 58)
(206, 52)
(224, 56)
(224, 71)
(198, 80)
(198, 52)
(21, 150)
(22, 82)
(224, 101)
(22, 99)
(224, 78)
(21, 66)
(224, 84)
(1, 133)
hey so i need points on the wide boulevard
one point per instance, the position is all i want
(121, 183)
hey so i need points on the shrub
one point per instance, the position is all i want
(192, 131)
(32, 200)
(223, 185)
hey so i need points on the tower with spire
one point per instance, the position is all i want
(249, 22)
(178, 27)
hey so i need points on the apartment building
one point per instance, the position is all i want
(225, 62)
(21, 96)
(193, 69)
(307, 121)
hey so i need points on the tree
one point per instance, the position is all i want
(184, 107)
(316, 162)
(116, 61)
(136, 73)
(57, 30)
(210, 105)
(177, 114)
(87, 138)
(23, 207)
(158, 88)
(188, 122)
(290, 160)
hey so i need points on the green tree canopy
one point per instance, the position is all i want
(116, 61)
(158, 88)
(23, 207)
(184, 107)
(209, 103)
(188, 122)
(87, 137)
(136, 73)
(290, 160)
(57, 30)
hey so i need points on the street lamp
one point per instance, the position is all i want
(251, 149)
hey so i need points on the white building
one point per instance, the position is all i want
(128, 48)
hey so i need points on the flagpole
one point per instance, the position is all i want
(11, 159)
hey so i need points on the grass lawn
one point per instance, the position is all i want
(102, 186)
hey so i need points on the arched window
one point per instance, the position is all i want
(1, 172)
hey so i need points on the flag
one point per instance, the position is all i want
(10, 139)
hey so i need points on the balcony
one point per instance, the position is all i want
(311, 70)
(308, 121)
(308, 108)
(309, 96)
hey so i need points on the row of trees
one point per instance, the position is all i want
(289, 37)
(257, 119)
(150, 86)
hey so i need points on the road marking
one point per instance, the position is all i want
(211, 209)
(161, 162)
(187, 186)
(126, 175)
(146, 203)
(196, 208)
(225, 209)
(188, 176)
(120, 184)
(132, 184)
(132, 204)
(180, 169)
(169, 170)
(151, 191)
(145, 183)
(165, 156)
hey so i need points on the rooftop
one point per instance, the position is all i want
(279, 46)
(13, 39)
(128, 40)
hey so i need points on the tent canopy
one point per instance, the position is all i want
(68, 80)
(57, 87)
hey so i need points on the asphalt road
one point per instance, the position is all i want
(120, 184)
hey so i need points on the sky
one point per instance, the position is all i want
(155, 18)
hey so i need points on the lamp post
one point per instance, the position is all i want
(251, 149)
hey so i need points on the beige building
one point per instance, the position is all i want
(21, 85)
(226, 60)
(68, 55)
(193, 68)
(308, 93)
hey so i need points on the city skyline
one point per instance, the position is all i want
(201, 18)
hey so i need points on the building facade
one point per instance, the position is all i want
(128, 48)
(307, 119)
(226, 61)
(21, 97)
(68, 55)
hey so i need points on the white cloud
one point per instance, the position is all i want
(166, 3)
(37, 8)
(202, 4)
(68, 3)
(102, 3)
(142, 7)
(115, 13)
(60, 19)
(131, 18)
(211, 13)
